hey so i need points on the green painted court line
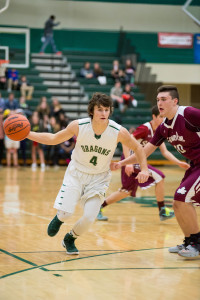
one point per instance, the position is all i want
(20, 258)
(121, 269)
(78, 258)
(63, 250)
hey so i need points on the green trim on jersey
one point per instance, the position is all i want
(97, 136)
(84, 123)
(114, 127)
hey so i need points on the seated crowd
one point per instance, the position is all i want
(46, 118)
(11, 80)
(123, 79)
(51, 118)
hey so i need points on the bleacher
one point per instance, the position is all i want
(58, 76)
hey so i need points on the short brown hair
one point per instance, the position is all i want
(99, 99)
(173, 91)
(155, 111)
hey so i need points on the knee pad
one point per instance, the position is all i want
(63, 215)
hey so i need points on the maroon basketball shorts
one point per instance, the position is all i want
(189, 189)
(130, 183)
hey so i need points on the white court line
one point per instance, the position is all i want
(26, 212)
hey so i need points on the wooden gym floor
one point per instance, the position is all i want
(124, 258)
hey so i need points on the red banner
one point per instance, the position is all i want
(175, 40)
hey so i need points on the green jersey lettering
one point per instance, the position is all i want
(103, 151)
(99, 150)
(93, 160)
(107, 152)
(86, 148)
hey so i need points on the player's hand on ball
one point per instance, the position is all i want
(142, 176)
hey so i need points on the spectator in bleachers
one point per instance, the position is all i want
(99, 74)
(1, 135)
(10, 145)
(25, 86)
(23, 143)
(86, 71)
(2, 103)
(65, 150)
(3, 77)
(56, 108)
(128, 97)
(36, 147)
(43, 108)
(48, 35)
(116, 95)
(24, 106)
(129, 72)
(11, 103)
(52, 152)
(12, 79)
(116, 72)
(63, 120)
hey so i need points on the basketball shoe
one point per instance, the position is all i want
(54, 226)
(166, 213)
(101, 217)
(190, 251)
(193, 249)
(178, 248)
(68, 243)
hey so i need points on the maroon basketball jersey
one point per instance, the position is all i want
(144, 133)
(183, 132)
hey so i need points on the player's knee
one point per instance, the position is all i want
(89, 219)
(176, 205)
(63, 215)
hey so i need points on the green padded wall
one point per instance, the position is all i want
(107, 41)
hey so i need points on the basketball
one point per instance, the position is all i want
(16, 127)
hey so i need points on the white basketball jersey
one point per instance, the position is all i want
(92, 154)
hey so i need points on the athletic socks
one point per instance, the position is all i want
(160, 205)
(104, 204)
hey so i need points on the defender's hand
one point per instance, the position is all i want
(143, 176)
(129, 170)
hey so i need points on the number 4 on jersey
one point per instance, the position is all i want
(93, 160)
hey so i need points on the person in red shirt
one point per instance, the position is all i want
(143, 134)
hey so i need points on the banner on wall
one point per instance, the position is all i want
(197, 48)
(175, 40)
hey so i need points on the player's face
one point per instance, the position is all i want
(166, 105)
(101, 113)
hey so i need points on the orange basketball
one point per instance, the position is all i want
(16, 127)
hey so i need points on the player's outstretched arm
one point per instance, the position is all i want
(168, 155)
(125, 138)
(57, 138)
(148, 149)
(129, 169)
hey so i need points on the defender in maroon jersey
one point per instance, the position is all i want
(130, 184)
(181, 128)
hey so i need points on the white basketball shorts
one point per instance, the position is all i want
(80, 186)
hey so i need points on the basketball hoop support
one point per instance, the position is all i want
(5, 7)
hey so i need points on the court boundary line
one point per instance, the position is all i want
(116, 269)
(42, 267)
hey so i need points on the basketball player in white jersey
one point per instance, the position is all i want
(88, 174)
